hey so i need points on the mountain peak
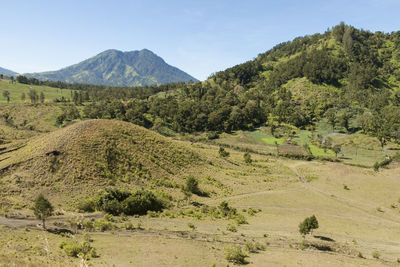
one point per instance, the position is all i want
(117, 68)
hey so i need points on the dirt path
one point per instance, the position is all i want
(25, 222)
(251, 194)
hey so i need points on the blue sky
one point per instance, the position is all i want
(199, 37)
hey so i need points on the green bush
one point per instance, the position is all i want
(192, 185)
(226, 210)
(115, 202)
(212, 135)
(140, 202)
(231, 228)
(222, 152)
(240, 219)
(235, 255)
(376, 255)
(254, 247)
(88, 205)
(74, 249)
(247, 158)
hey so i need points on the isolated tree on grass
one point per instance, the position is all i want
(42, 209)
(308, 225)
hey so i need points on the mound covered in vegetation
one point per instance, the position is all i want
(92, 152)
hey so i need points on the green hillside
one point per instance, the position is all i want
(117, 68)
(17, 89)
(87, 156)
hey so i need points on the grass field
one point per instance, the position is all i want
(16, 90)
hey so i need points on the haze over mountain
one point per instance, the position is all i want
(6, 71)
(116, 68)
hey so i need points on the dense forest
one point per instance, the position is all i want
(347, 76)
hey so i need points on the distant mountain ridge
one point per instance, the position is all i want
(116, 68)
(6, 71)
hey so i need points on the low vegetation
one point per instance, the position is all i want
(235, 255)
(116, 202)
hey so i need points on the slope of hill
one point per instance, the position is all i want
(17, 89)
(117, 68)
(91, 152)
(6, 71)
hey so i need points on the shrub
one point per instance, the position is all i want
(222, 152)
(112, 207)
(129, 226)
(88, 205)
(212, 135)
(115, 202)
(226, 210)
(235, 255)
(247, 158)
(109, 200)
(376, 255)
(192, 226)
(140, 202)
(240, 219)
(74, 249)
(192, 185)
(254, 247)
(231, 228)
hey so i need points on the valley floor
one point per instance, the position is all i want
(357, 210)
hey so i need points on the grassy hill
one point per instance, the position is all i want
(93, 153)
(117, 68)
